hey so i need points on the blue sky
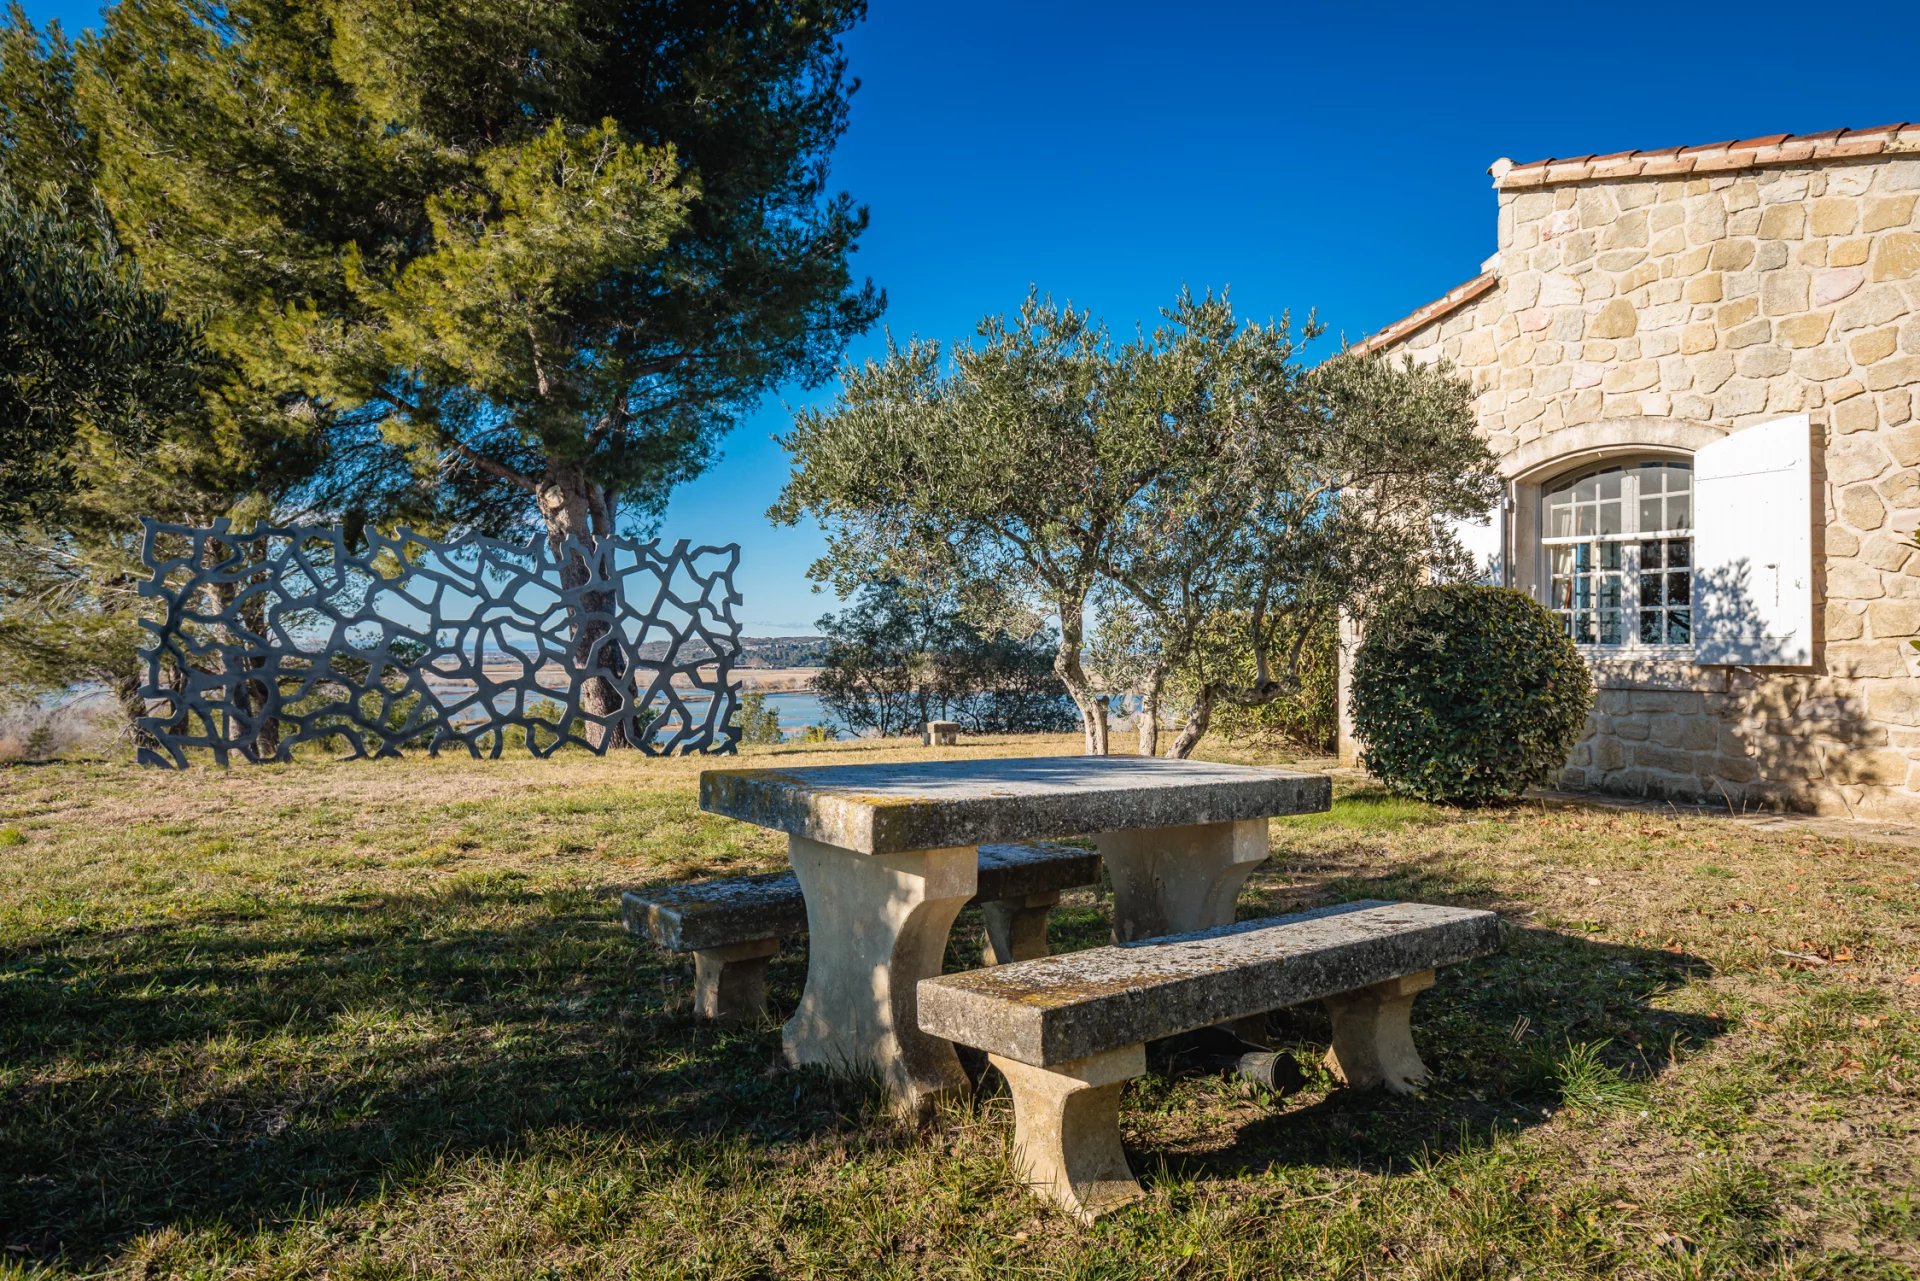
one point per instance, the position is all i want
(1330, 157)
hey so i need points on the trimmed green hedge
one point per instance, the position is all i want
(1468, 694)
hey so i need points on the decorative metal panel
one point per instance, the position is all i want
(284, 635)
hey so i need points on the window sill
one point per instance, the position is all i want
(1673, 668)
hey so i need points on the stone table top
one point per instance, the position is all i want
(893, 808)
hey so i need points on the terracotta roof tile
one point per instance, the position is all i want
(1454, 298)
(1717, 157)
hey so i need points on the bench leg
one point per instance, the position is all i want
(1016, 927)
(876, 925)
(1373, 1035)
(1066, 1130)
(1170, 880)
(730, 983)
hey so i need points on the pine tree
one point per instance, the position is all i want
(509, 264)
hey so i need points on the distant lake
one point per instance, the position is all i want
(800, 709)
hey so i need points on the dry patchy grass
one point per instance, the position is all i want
(372, 1020)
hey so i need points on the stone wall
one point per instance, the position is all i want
(1679, 307)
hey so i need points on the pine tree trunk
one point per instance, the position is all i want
(248, 696)
(575, 508)
(1066, 664)
(266, 741)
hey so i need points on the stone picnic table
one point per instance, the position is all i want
(887, 854)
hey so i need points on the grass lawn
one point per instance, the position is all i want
(379, 1020)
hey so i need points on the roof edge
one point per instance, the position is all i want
(1712, 157)
(1452, 300)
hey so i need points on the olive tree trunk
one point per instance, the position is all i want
(1147, 727)
(1196, 727)
(1072, 674)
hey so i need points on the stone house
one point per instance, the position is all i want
(1700, 371)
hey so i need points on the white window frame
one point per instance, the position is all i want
(1628, 466)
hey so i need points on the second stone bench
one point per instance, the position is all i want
(1068, 1031)
(734, 926)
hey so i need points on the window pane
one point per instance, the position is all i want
(1610, 517)
(1610, 627)
(1610, 593)
(1679, 589)
(1680, 627)
(1583, 521)
(1649, 591)
(1650, 515)
(1679, 512)
(1560, 522)
(1679, 552)
(1650, 627)
(1650, 555)
(1610, 555)
(1609, 484)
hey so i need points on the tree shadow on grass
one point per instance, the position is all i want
(237, 1069)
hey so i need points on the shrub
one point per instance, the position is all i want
(1468, 694)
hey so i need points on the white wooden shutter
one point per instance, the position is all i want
(1753, 546)
(1486, 541)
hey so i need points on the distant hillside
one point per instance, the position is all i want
(755, 651)
(759, 651)
(783, 651)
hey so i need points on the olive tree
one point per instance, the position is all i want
(1005, 468)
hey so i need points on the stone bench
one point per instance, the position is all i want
(1068, 1031)
(733, 927)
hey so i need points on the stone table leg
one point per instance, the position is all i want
(1373, 1035)
(1016, 928)
(1169, 880)
(876, 925)
(1066, 1129)
(730, 983)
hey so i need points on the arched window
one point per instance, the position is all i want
(1619, 550)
